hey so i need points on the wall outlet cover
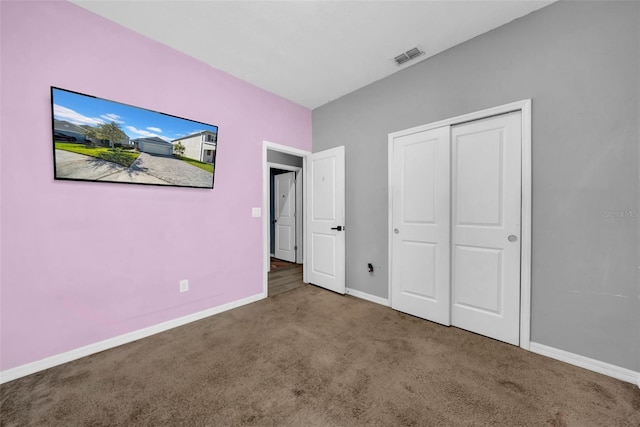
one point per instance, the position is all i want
(184, 285)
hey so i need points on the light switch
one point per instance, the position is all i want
(256, 212)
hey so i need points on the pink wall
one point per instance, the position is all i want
(83, 262)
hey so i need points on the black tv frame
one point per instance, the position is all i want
(72, 163)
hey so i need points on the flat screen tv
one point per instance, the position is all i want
(98, 140)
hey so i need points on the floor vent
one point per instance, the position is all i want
(408, 55)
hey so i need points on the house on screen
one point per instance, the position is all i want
(77, 133)
(199, 146)
(153, 145)
(63, 127)
(125, 141)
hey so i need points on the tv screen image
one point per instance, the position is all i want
(95, 139)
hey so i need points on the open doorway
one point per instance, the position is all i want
(285, 214)
(283, 218)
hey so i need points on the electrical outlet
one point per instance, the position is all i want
(184, 285)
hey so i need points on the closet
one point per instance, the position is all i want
(456, 209)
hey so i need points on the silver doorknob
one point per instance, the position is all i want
(395, 230)
(513, 238)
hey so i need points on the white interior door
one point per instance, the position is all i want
(420, 237)
(285, 216)
(485, 233)
(325, 242)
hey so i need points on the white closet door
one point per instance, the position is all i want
(485, 229)
(420, 237)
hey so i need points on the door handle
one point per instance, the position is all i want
(339, 228)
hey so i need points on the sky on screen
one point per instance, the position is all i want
(135, 122)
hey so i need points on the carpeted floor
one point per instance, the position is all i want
(309, 357)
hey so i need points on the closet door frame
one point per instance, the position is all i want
(524, 106)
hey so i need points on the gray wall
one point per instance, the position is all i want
(579, 62)
(283, 158)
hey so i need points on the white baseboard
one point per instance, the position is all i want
(614, 371)
(58, 359)
(368, 297)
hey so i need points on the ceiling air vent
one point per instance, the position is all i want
(408, 55)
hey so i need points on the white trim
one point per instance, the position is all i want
(604, 368)
(389, 213)
(266, 249)
(58, 359)
(299, 218)
(305, 191)
(365, 296)
(525, 255)
(525, 227)
(477, 115)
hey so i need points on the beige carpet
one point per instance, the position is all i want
(309, 357)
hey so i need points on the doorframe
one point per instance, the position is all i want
(298, 208)
(266, 250)
(524, 106)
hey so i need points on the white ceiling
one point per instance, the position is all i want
(310, 52)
